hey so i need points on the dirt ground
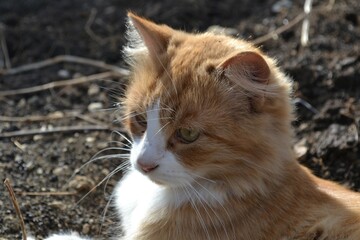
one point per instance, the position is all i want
(327, 96)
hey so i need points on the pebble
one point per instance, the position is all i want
(81, 184)
(90, 139)
(21, 103)
(86, 228)
(63, 73)
(60, 171)
(58, 204)
(93, 90)
(281, 5)
(30, 165)
(37, 137)
(39, 171)
(77, 75)
(18, 158)
(95, 106)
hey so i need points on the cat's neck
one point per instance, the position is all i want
(220, 203)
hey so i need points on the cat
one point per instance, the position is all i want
(210, 120)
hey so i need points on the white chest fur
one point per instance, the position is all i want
(137, 197)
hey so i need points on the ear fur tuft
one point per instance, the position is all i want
(250, 71)
(155, 37)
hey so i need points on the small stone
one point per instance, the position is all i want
(60, 171)
(77, 75)
(18, 158)
(95, 106)
(39, 171)
(58, 204)
(30, 165)
(102, 145)
(86, 228)
(63, 73)
(105, 172)
(57, 114)
(93, 90)
(81, 184)
(38, 137)
(90, 139)
(280, 6)
(21, 103)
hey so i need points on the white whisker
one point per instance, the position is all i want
(201, 200)
(162, 128)
(221, 205)
(112, 173)
(122, 135)
(202, 222)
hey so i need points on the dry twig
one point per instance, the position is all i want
(306, 25)
(39, 118)
(4, 47)
(64, 58)
(279, 30)
(46, 193)
(16, 206)
(56, 84)
(88, 29)
(64, 129)
(292, 23)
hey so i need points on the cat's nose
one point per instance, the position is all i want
(147, 167)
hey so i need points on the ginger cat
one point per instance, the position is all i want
(210, 118)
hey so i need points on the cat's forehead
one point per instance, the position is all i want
(183, 84)
(190, 51)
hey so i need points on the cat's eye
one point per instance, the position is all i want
(141, 119)
(187, 135)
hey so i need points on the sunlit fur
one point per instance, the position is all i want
(242, 179)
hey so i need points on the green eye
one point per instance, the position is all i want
(187, 135)
(141, 119)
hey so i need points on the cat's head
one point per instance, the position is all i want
(203, 106)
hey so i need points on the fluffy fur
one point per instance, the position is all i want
(239, 178)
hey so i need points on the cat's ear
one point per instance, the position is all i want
(155, 37)
(249, 65)
(250, 71)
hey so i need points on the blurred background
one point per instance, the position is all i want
(62, 71)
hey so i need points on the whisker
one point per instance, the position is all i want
(167, 73)
(105, 210)
(201, 200)
(128, 147)
(162, 128)
(202, 222)
(116, 170)
(204, 178)
(95, 158)
(226, 212)
(121, 135)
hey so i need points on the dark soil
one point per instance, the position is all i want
(326, 74)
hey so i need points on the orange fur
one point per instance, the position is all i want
(241, 104)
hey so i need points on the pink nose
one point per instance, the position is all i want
(146, 167)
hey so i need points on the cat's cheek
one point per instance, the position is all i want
(171, 172)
